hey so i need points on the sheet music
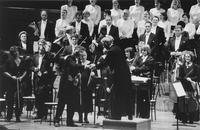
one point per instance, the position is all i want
(139, 79)
(179, 89)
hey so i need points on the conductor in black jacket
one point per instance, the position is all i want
(121, 90)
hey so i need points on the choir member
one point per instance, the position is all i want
(88, 21)
(15, 71)
(141, 23)
(61, 24)
(103, 21)
(189, 26)
(46, 27)
(71, 9)
(195, 13)
(175, 12)
(126, 28)
(157, 10)
(166, 25)
(116, 12)
(136, 11)
(25, 47)
(95, 11)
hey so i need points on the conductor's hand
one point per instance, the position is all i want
(108, 90)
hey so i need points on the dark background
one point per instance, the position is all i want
(15, 15)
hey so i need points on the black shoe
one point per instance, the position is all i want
(18, 120)
(191, 122)
(8, 119)
(130, 117)
(56, 124)
(71, 124)
(86, 120)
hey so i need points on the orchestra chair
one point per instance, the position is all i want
(3, 104)
(155, 86)
(29, 99)
(51, 107)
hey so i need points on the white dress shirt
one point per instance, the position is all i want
(136, 12)
(71, 12)
(43, 27)
(24, 46)
(147, 38)
(116, 15)
(125, 27)
(108, 29)
(144, 58)
(195, 13)
(95, 13)
(177, 42)
(78, 27)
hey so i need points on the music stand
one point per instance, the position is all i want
(179, 92)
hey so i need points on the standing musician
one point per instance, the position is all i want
(15, 71)
(143, 66)
(189, 75)
(43, 76)
(121, 90)
(68, 88)
(86, 105)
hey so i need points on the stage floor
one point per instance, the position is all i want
(165, 121)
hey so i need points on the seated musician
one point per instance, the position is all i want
(129, 55)
(43, 79)
(189, 75)
(143, 67)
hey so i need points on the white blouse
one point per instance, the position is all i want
(156, 12)
(90, 25)
(166, 25)
(141, 27)
(126, 27)
(95, 13)
(174, 15)
(71, 12)
(191, 29)
(136, 12)
(116, 15)
(195, 13)
(60, 27)
(101, 24)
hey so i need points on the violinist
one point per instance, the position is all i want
(15, 71)
(68, 89)
(86, 105)
(42, 66)
(189, 75)
(143, 67)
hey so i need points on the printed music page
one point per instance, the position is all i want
(179, 89)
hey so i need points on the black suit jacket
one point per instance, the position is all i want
(182, 46)
(114, 32)
(160, 35)
(49, 30)
(151, 41)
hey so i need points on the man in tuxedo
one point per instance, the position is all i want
(178, 42)
(42, 66)
(46, 27)
(109, 29)
(82, 30)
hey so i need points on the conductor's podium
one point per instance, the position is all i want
(135, 124)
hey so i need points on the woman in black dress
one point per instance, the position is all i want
(15, 71)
